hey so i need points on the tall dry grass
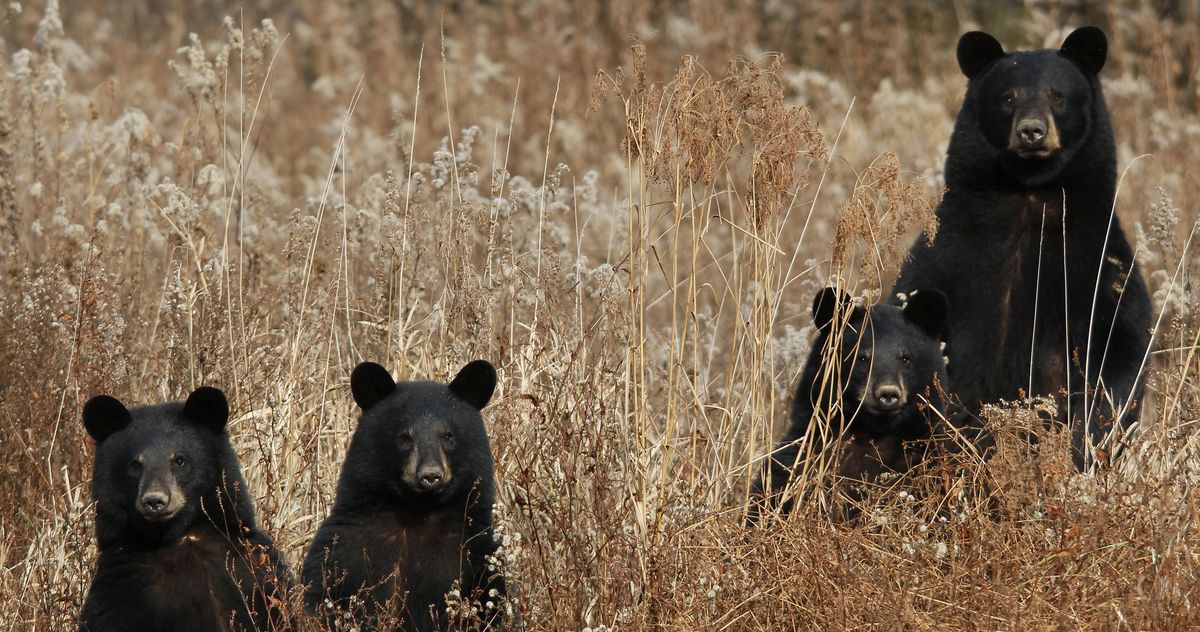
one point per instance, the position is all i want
(627, 210)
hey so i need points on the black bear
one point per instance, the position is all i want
(872, 376)
(413, 511)
(179, 547)
(1047, 299)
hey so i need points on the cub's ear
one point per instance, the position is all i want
(829, 303)
(475, 383)
(104, 415)
(208, 407)
(370, 384)
(976, 51)
(927, 310)
(1088, 47)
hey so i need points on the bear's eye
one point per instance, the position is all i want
(1057, 97)
(864, 357)
(1009, 99)
(179, 461)
(135, 467)
(405, 440)
(448, 438)
(905, 358)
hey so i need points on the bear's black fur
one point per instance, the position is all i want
(179, 547)
(413, 512)
(870, 377)
(1031, 166)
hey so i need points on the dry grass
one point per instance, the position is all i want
(275, 201)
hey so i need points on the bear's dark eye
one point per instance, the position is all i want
(1057, 97)
(448, 439)
(405, 441)
(864, 357)
(1009, 99)
(905, 358)
(135, 467)
(179, 461)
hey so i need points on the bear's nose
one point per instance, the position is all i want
(154, 503)
(430, 477)
(1032, 132)
(888, 396)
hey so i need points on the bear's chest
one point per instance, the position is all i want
(205, 561)
(1022, 272)
(864, 459)
(192, 584)
(424, 558)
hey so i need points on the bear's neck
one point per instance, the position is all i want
(362, 498)
(141, 537)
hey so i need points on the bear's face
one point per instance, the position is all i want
(154, 463)
(887, 356)
(1035, 109)
(427, 443)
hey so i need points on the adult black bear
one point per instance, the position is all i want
(179, 548)
(413, 513)
(871, 376)
(1047, 300)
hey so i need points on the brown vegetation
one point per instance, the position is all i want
(627, 210)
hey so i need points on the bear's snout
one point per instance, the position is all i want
(1034, 135)
(1031, 132)
(155, 506)
(431, 477)
(427, 470)
(889, 397)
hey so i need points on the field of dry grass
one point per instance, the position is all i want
(627, 209)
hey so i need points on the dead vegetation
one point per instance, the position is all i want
(628, 212)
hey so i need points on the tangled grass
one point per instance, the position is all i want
(628, 212)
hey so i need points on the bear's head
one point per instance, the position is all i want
(887, 357)
(159, 469)
(1035, 109)
(423, 443)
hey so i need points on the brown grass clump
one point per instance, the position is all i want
(263, 204)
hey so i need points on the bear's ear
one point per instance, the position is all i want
(976, 51)
(104, 415)
(828, 303)
(927, 310)
(370, 384)
(475, 383)
(207, 407)
(1088, 47)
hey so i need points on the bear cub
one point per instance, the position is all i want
(413, 510)
(179, 547)
(871, 375)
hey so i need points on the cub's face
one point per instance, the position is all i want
(1035, 108)
(154, 463)
(890, 363)
(160, 471)
(887, 356)
(428, 440)
(427, 452)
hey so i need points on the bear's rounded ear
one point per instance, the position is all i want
(370, 384)
(976, 51)
(208, 407)
(103, 415)
(827, 304)
(1088, 47)
(927, 310)
(475, 383)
